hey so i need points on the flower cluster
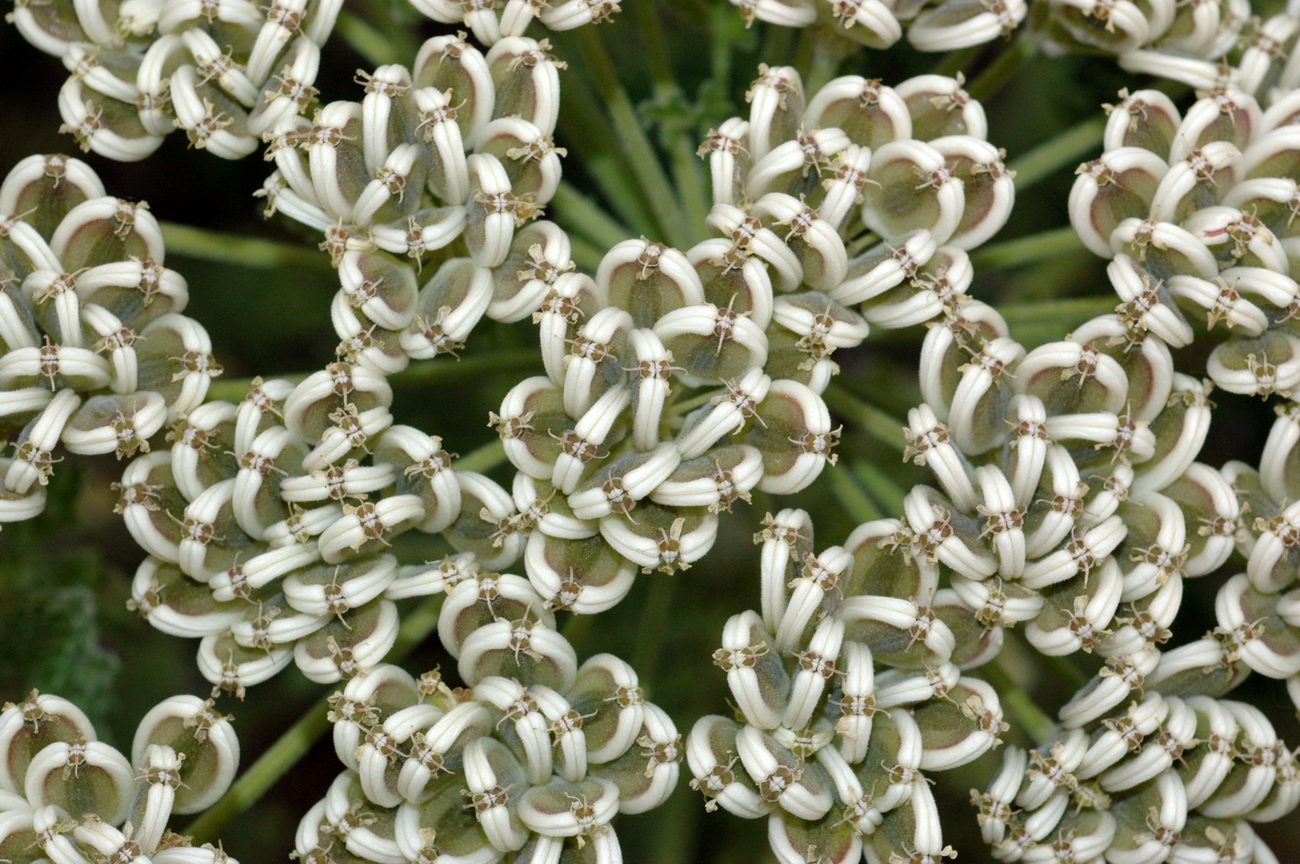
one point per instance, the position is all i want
(528, 763)
(225, 71)
(69, 798)
(677, 382)
(448, 158)
(492, 20)
(1197, 214)
(1176, 775)
(94, 352)
(832, 751)
(947, 25)
(1258, 613)
(1067, 481)
(268, 525)
(1208, 45)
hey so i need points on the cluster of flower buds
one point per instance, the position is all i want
(268, 526)
(1068, 494)
(94, 352)
(1208, 45)
(453, 157)
(225, 71)
(910, 164)
(1198, 216)
(946, 25)
(677, 382)
(832, 751)
(493, 20)
(69, 798)
(1175, 775)
(528, 763)
(1258, 612)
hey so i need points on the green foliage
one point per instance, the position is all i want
(49, 608)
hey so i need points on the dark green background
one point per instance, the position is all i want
(64, 578)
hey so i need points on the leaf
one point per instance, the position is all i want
(49, 627)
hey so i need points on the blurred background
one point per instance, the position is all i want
(64, 578)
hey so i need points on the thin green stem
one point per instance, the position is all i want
(482, 458)
(1026, 250)
(877, 423)
(234, 389)
(576, 628)
(587, 134)
(862, 243)
(831, 49)
(805, 49)
(955, 61)
(282, 755)
(687, 405)
(577, 213)
(649, 173)
(1004, 68)
(720, 59)
(882, 488)
(852, 498)
(239, 251)
(586, 254)
(688, 175)
(1062, 667)
(370, 42)
(654, 623)
(1019, 704)
(776, 45)
(1058, 152)
(693, 190)
(652, 37)
(1045, 321)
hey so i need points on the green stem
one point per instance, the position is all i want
(234, 389)
(720, 59)
(862, 243)
(654, 624)
(1004, 68)
(482, 458)
(877, 423)
(586, 254)
(576, 628)
(1060, 666)
(1058, 152)
(882, 488)
(239, 251)
(852, 498)
(282, 755)
(647, 170)
(831, 49)
(376, 47)
(693, 189)
(1027, 250)
(577, 213)
(652, 37)
(685, 406)
(776, 45)
(1018, 704)
(955, 61)
(586, 133)
(805, 50)
(1046, 321)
